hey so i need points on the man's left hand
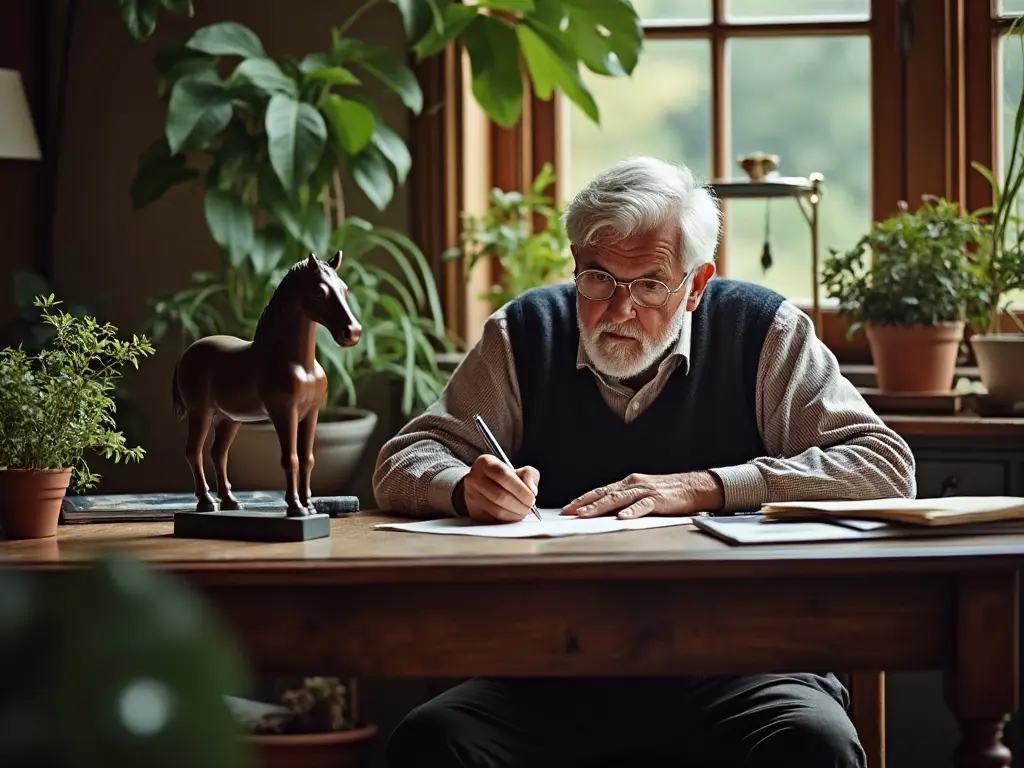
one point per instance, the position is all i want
(640, 495)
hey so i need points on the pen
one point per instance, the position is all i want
(496, 450)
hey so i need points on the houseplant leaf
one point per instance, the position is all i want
(227, 38)
(158, 170)
(382, 64)
(267, 248)
(551, 63)
(182, 7)
(351, 122)
(333, 76)
(230, 223)
(494, 60)
(199, 109)
(394, 149)
(454, 19)
(266, 75)
(417, 17)
(512, 6)
(140, 17)
(370, 172)
(296, 133)
(618, 18)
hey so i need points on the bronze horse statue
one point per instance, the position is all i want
(223, 380)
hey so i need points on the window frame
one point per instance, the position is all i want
(924, 131)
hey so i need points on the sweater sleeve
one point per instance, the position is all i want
(823, 441)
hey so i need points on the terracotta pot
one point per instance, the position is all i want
(1000, 359)
(340, 749)
(30, 501)
(918, 358)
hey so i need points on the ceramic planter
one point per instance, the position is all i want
(255, 459)
(30, 501)
(340, 749)
(917, 358)
(1000, 359)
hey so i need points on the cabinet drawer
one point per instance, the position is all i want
(962, 477)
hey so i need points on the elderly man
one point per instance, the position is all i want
(644, 388)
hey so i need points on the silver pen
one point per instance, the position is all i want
(496, 450)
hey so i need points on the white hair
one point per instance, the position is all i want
(640, 194)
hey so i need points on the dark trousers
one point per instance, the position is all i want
(759, 721)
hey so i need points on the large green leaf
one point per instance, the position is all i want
(296, 133)
(417, 17)
(230, 223)
(494, 60)
(316, 229)
(158, 170)
(454, 19)
(370, 172)
(267, 249)
(266, 75)
(140, 17)
(199, 109)
(333, 76)
(617, 18)
(227, 38)
(393, 148)
(183, 7)
(551, 63)
(351, 122)
(512, 6)
(384, 65)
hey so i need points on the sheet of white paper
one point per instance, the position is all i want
(944, 504)
(552, 524)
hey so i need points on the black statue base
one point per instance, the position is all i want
(251, 525)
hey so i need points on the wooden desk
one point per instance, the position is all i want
(660, 602)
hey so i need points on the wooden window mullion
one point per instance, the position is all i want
(719, 115)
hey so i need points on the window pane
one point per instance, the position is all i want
(797, 10)
(1011, 7)
(683, 11)
(808, 100)
(664, 110)
(1010, 77)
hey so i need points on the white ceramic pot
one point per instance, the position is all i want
(254, 463)
(1000, 359)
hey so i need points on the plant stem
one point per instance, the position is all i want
(355, 16)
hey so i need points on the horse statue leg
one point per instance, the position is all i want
(224, 432)
(286, 424)
(198, 427)
(307, 439)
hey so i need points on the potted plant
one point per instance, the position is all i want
(999, 265)
(54, 405)
(909, 283)
(507, 233)
(312, 727)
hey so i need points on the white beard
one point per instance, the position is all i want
(626, 359)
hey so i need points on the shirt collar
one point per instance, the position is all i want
(678, 354)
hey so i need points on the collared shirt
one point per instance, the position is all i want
(822, 440)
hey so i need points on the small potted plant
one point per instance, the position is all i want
(312, 726)
(54, 405)
(909, 283)
(529, 256)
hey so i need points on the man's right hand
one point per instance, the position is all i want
(493, 493)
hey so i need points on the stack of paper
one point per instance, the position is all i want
(955, 510)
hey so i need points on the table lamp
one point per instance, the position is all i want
(18, 139)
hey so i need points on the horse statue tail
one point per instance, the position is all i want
(179, 404)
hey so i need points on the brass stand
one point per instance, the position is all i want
(808, 192)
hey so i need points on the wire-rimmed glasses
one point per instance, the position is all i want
(598, 285)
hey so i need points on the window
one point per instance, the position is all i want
(788, 77)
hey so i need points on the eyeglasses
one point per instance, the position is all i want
(598, 285)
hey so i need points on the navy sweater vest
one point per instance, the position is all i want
(705, 417)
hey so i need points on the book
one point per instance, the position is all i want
(758, 529)
(952, 510)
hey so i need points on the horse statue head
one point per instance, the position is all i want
(323, 298)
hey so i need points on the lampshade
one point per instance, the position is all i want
(17, 134)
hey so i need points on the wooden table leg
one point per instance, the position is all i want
(867, 699)
(983, 688)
